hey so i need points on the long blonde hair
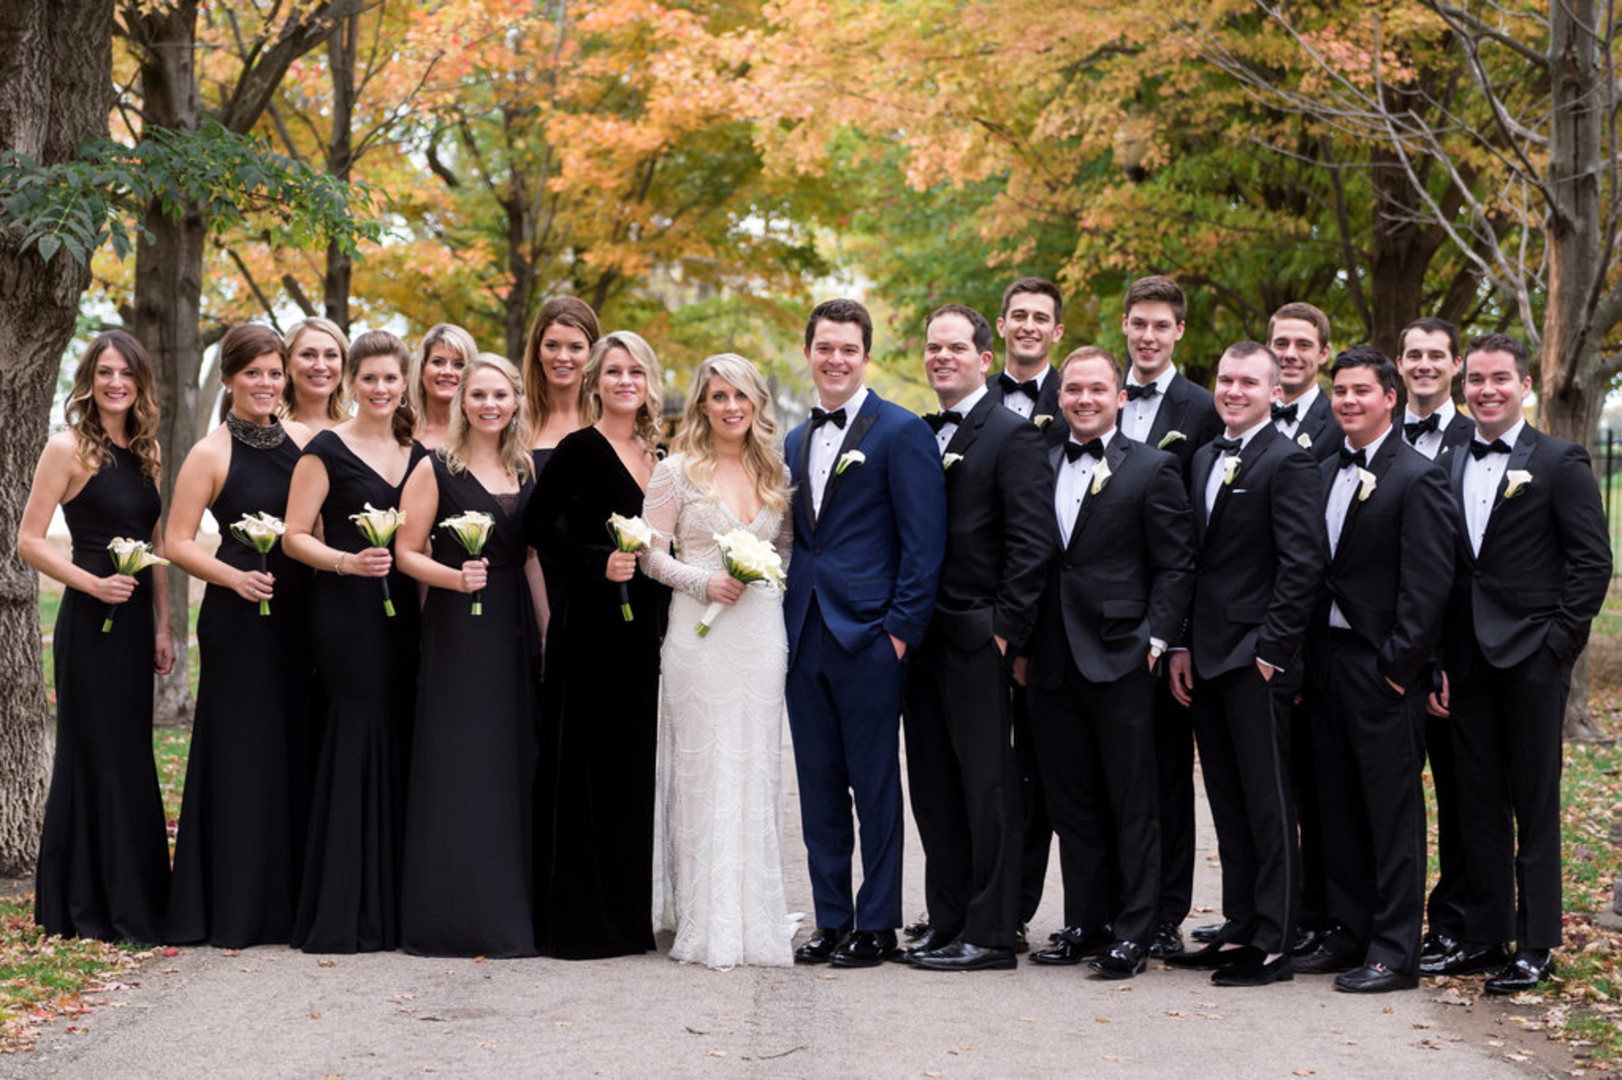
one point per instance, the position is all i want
(338, 400)
(568, 311)
(647, 417)
(513, 448)
(93, 449)
(695, 440)
(439, 334)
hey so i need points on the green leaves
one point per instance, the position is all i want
(103, 195)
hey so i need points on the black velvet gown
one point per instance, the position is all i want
(240, 847)
(349, 898)
(466, 874)
(595, 782)
(104, 856)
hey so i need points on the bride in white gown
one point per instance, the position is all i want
(718, 851)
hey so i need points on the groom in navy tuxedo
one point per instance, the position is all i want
(869, 537)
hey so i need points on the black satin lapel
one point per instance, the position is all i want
(803, 470)
(1519, 455)
(1112, 456)
(853, 438)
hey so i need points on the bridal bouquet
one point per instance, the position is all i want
(130, 557)
(378, 527)
(749, 559)
(633, 535)
(260, 531)
(471, 528)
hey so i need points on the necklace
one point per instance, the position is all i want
(259, 436)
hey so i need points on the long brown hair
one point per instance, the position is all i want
(92, 447)
(382, 343)
(337, 401)
(647, 415)
(513, 448)
(695, 441)
(241, 346)
(570, 311)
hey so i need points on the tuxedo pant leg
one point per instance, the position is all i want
(1532, 736)
(1123, 733)
(1445, 909)
(935, 786)
(1174, 785)
(1343, 822)
(1036, 831)
(819, 766)
(869, 699)
(1489, 839)
(1073, 781)
(1314, 899)
(1224, 791)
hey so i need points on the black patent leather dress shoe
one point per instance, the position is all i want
(1469, 960)
(1214, 957)
(928, 941)
(1308, 942)
(1075, 944)
(1167, 941)
(1255, 972)
(1324, 961)
(1435, 947)
(1022, 938)
(963, 956)
(1530, 967)
(1209, 933)
(819, 949)
(1373, 979)
(1123, 960)
(865, 948)
(916, 929)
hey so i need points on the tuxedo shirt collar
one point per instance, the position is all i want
(1374, 447)
(1304, 402)
(1510, 437)
(1160, 382)
(852, 406)
(1250, 432)
(1444, 415)
(966, 406)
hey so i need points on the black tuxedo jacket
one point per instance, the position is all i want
(1260, 556)
(1000, 534)
(1393, 566)
(1053, 427)
(1126, 575)
(1189, 410)
(1321, 429)
(1545, 560)
(1457, 433)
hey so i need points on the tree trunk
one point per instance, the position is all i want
(55, 92)
(340, 158)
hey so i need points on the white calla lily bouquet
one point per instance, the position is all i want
(260, 531)
(631, 535)
(472, 529)
(379, 527)
(129, 557)
(749, 559)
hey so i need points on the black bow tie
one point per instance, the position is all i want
(938, 420)
(822, 416)
(1011, 385)
(1353, 457)
(1479, 449)
(1134, 392)
(1285, 413)
(1227, 446)
(1414, 430)
(1093, 447)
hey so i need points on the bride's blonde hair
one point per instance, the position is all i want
(695, 440)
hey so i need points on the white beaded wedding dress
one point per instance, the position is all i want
(718, 818)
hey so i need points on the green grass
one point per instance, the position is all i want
(43, 977)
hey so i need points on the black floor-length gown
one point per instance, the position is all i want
(595, 782)
(104, 856)
(240, 848)
(466, 875)
(349, 898)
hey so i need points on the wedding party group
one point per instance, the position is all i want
(488, 666)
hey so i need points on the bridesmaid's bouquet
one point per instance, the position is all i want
(472, 530)
(632, 535)
(260, 531)
(749, 559)
(378, 527)
(129, 557)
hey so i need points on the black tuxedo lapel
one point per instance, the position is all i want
(1519, 455)
(854, 434)
(969, 429)
(803, 469)
(1456, 479)
(1248, 456)
(1171, 406)
(1379, 466)
(1203, 464)
(1113, 455)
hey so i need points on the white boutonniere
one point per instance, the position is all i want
(1366, 483)
(1101, 477)
(1516, 481)
(1304, 441)
(847, 459)
(1171, 437)
(1230, 469)
(1042, 420)
(948, 460)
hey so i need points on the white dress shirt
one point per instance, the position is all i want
(824, 448)
(1213, 483)
(1138, 417)
(966, 406)
(1071, 486)
(1481, 480)
(1430, 443)
(1345, 489)
(1019, 403)
(1302, 404)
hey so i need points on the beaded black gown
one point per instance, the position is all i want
(103, 867)
(240, 846)
(466, 873)
(366, 661)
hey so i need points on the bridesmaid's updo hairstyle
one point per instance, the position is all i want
(337, 401)
(241, 346)
(570, 311)
(647, 417)
(514, 446)
(695, 440)
(382, 343)
(93, 449)
(440, 334)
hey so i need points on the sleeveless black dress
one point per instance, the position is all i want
(466, 873)
(240, 845)
(104, 856)
(349, 898)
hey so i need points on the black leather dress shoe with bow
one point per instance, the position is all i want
(1167, 941)
(963, 956)
(819, 949)
(1255, 972)
(1468, 960)
(1214, 957)
(1123, 960)
(1075, 944)
(928, 941)
(1530, 967)
(865, 948)
(1373, 979)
